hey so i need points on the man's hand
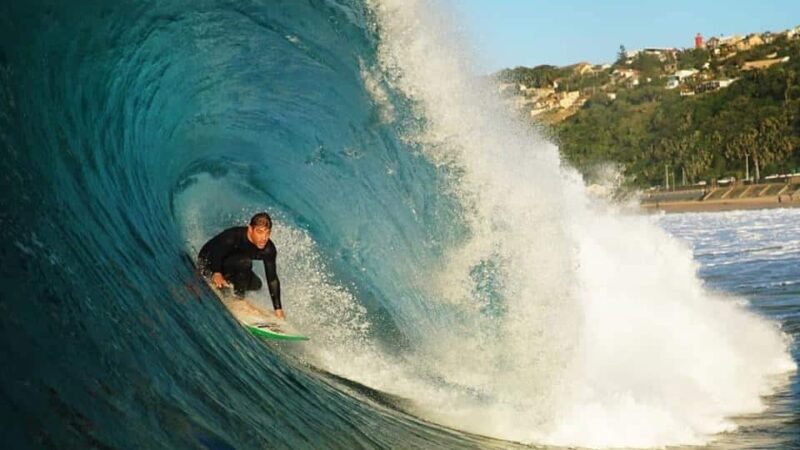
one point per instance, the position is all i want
(219, 281)
(279, 314)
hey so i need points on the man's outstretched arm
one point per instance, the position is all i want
(274, 284)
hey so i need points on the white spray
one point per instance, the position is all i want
(608, 337)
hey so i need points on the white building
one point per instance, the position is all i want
(568, 99)
(678, 77)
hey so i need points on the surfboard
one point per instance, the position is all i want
(267, 331)
(260, 323)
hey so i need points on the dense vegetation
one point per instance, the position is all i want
(653, 133)
(563, 78)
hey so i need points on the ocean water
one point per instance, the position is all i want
(461, 288)
(753, 257)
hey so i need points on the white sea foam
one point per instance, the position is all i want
(607, 337)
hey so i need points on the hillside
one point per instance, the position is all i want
(728, 108)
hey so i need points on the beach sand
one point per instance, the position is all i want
(724, 205)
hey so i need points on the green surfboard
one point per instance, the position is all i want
(269, 331)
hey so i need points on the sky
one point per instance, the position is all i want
(510, 33)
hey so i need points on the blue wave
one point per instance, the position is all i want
(110, 114)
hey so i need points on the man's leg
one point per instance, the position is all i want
(238, 269)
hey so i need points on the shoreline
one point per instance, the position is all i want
(733, 204)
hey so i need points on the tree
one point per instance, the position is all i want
(712, 135)
(742, 145)
(649, 65)
(622, 55)
(693, 58)
(670, 150)
(697, 159)
(775, 142)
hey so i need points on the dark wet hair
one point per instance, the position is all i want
(261, 219)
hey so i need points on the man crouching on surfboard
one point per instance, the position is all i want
(228, 258)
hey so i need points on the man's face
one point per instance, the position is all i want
(258, 235)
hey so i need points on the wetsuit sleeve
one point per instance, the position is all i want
(274, 284)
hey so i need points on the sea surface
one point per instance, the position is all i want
(460, 287)
(754, 255)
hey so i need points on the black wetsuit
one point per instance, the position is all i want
(231, 254)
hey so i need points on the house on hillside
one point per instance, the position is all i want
(567, 99)
(707, 86)
(730, 41)
(713, 43)
(628, 77)
(661, 52)
(630, 54)
(672, 83)
(583, 68)
(546, 104)
(720, 43)
(763, 63)
(723, 44)
(677, 78)
(503, 87)
(537, 93)
(625, 73)
(752, 40)
(713, 85)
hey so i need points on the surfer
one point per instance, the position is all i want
(228, 259)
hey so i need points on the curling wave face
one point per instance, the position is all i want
(113, 117)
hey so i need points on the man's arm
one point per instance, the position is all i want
(274, 284)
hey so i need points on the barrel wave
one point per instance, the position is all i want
(453, 298)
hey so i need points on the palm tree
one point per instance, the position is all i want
(775, 139)
(742, 145)
(696, 157)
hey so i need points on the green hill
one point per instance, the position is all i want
(739, 108)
